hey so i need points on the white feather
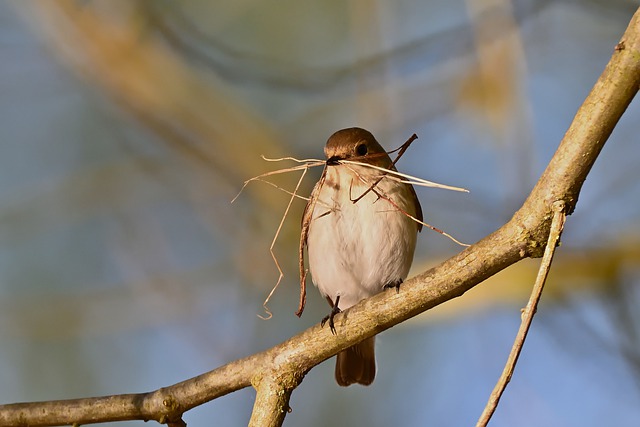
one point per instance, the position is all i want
(355, 249)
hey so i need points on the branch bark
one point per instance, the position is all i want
(277, 371)
(272, 401)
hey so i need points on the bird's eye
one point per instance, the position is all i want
(361, 149)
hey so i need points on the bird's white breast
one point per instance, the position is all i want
(356, 248)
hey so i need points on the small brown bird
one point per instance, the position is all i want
(360, 239)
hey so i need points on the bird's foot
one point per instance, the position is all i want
(395, 284)
(334, 310)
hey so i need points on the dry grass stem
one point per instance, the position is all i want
(311, 163)
(304, 232)
(397, 176)
(284, 190)
(381, 194)
(273, 243)
(304, 166)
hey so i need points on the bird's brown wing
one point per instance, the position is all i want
(416, 202)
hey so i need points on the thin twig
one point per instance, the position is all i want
(557, 225)
(400, 151)
(277, 172)
(381, 194)
(310, 162)
(284, 190)
(409, 178)
(429, 226)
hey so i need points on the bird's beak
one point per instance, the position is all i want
(333, 160)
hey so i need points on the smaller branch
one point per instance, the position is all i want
(529, 311)
(271, 404)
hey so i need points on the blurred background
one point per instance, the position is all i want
(128, 126)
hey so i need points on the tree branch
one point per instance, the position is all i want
(272, 401)
(557, 225)
(281, 368)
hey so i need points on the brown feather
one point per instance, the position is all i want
(357, 364)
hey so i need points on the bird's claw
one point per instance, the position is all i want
(334, 310)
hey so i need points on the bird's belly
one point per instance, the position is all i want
(355, 249)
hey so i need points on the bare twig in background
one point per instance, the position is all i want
(284, 366)
(557, 225)
(192, 114)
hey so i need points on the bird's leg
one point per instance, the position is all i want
(334, 310)
(395, 284)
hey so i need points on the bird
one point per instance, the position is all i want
(361, 237)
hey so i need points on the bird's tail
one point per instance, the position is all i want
(357, 364)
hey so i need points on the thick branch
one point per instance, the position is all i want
(286, 364)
